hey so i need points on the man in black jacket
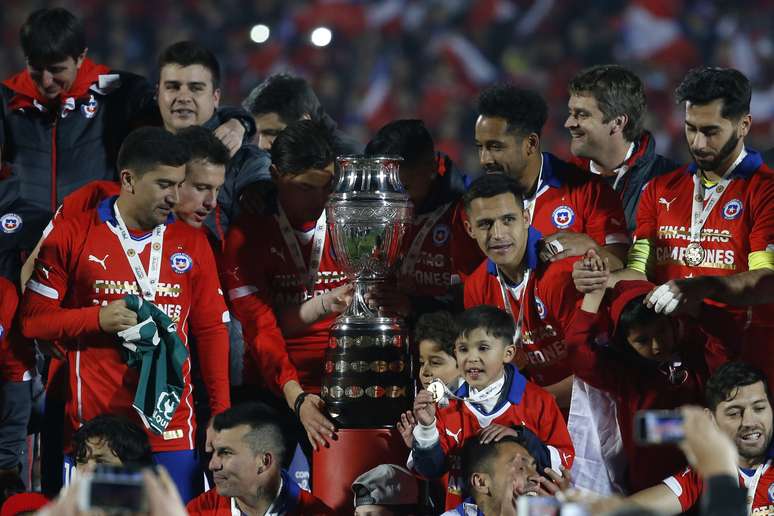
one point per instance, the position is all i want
(606, 115)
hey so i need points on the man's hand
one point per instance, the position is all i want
(707, 449)
(570, 244)
(677, 295)
(209, 436)
(116, 317)
(591, 273)
(317, 425)
(388, 300)
(406, 427)
(337, 300)
(424, 408)
(231, 133)
(494, 433)
(163, 497)
(553, 483)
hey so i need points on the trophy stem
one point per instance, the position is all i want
(359, 307)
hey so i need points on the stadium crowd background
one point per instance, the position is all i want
(428, 59)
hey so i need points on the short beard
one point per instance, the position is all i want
(722, 155)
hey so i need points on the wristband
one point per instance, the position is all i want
(299, 401)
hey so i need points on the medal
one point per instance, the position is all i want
(437, 389)
(694, 254)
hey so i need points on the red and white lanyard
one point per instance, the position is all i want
(147, 281)
(507, 303)
(752, 485)
(430, 220)
(291, 242)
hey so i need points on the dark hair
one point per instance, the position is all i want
(525, 110)
(126, 440)
(302, 145)
(148, 147)
(705, 84)
(187, 53)
(288, 96)
(408, 139)
(728, 378)
(492, 320)
(204, 145)
(490, 185)
(634, 315)
(477, 457)
(265, 433)
(440, 327)
(618, 91)
(52, 35)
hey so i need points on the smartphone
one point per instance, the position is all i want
(114, 490)
(538, 506)
(658, 426)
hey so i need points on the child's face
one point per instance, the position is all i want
(655, 341)
(480, 357)
(434, 363)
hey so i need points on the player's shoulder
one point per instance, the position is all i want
(569, 174)
(88, 197)
(671, 179)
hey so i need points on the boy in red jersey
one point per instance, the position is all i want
(282, 280)
(493, 401)
(539, 297)
(89, 262)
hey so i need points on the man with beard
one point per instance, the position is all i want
(738, 402)
(706, 230)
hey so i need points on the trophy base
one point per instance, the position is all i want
(367, 381)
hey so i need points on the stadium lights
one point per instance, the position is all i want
(260, 33)
(321, 36)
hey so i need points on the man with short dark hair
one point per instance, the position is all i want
(111, 440)
(606, 116)
(248, 452)
(573, 211)
(737, 398)
(130, 245)
(282, 99)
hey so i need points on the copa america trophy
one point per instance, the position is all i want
(367, 380)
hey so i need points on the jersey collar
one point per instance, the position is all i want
(548, 176)
(744, 170)
(106, 213)
(530, 254)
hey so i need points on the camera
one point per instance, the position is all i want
(114, 490)
(548, 506)
(658, 426)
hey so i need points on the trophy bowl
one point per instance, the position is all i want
(367, 378)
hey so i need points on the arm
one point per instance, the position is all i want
(658, 498)
(296, 320)
(427, 450)
(29, 264)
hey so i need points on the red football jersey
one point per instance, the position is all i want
(548, 309)
(569, 199)
(688, 486)
(261, 279)
(82, 267)
(447, 256)
(526, 404)
(17, 359)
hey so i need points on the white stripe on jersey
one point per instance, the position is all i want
(246, 290)
(43, 290)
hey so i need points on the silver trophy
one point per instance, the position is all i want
(367, 381)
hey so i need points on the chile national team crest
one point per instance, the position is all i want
(563, 217)
(732, 209)
(541, 307)
(10, 223)
(89, 109)
(181, 262)
(441, 234)
(771, 492)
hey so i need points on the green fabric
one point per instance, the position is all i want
(153, 347)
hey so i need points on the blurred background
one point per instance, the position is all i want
(374, 61)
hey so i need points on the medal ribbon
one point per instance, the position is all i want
(291, 242)
(410, 262)
(507, 302)
(752, 486)
(529, 204)
(148, 282)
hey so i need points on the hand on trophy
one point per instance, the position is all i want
(317, 425)
(388, 300)
(424, 408)
(337, 300)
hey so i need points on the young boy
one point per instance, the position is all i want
(494, 399)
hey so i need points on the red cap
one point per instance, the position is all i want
(23, 502)
(623, 292)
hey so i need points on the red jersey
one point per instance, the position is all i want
(548, 308)
(291, 501)
(635, 384)
(262, 279)
(526, 404)
(688, 486)
(446, 256)
(569, 199)
(81, 267)
(17, 359)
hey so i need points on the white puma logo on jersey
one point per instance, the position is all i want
(94, 259)
(279, 253)
(455, 436)
(666, 203)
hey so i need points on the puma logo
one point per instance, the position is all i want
(279, 253)
(455, 436)
(666, 203)
(94, 259)
(566, 457)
